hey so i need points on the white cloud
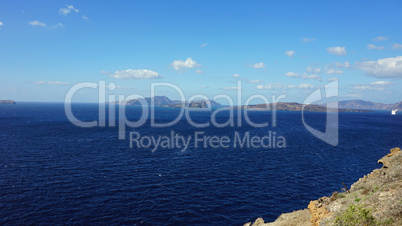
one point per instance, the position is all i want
(50, 83)
(337, 50)
(277, 85)
(1, 24)
(374, 86)
(379, 38)
(365, 87)
(236, 75)
(69, 9)
(37, 23)
(255, 81)
(345, 64)
(290, 53)
(84, 17)
(383, 68)
(333, 68)
(308, 39)
(331, 71)
(292, 74)
(313, 70)
(397, 46)
(58, 25)
(198, 71)
(305, 86)
(354, 95)
(304, 75)
(332, 79)
(259, 65)
(203, 45)
(41, 24)
(231, 88)
(372, 46)
(178, 65)
(380, 83)
(134, 74)
(310, 76)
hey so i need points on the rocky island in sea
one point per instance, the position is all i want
(375, 199)
(164, 101)
(294, 106)
(7, 102)
(368, 105)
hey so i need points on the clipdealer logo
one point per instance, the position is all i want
(198, 138)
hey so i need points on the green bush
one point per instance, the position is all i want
(389, 221)
(355, 215)
(340, 195)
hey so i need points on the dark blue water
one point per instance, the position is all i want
(54, 172)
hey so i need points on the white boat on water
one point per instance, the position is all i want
(393, 112)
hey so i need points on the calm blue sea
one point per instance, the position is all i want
(53, 172)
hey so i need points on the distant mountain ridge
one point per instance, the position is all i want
(346, 105)
(164, 101)
(294, 106)
(368, 105)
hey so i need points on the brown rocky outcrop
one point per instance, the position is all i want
(295, 218)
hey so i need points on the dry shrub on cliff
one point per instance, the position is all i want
(356, 215)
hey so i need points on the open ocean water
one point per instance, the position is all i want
(53, 172)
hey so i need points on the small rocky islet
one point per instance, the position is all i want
(7, 102)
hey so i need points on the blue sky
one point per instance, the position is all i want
(204, 47)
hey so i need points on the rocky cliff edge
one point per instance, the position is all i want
(375, 199)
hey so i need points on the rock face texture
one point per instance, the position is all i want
(296, 218)
(7, 102)
(375, 199)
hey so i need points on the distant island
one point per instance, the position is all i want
(343, 106)
(164, 101)
(368, 105)
(7, 102)
(294, 106)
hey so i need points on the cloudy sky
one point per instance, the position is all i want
(203, 47)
